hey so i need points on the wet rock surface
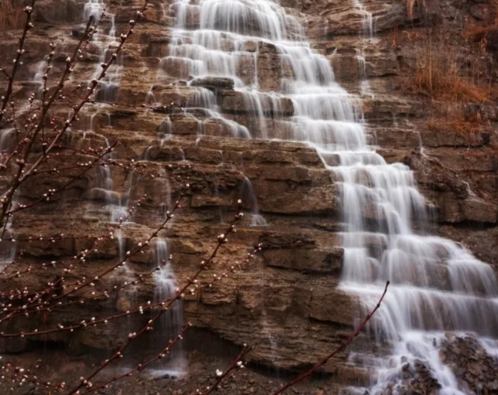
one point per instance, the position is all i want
(473, 366)
(286, 302)
(416, 378)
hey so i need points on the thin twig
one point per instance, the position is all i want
(52, 192)
(222, 239)
(17, 62)
(220, 376)
(140, 367)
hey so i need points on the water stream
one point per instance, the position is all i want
(367, 32)
(368, 23)
(249, 198)
(106, 42)
(437, 285)
(170, 324)
(8, 141)
(116, 202)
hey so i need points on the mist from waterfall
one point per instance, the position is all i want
(437, 285)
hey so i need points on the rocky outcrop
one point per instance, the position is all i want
(286, 302)
(415, 378)
(471, 364)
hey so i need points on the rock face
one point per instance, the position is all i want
(471, 363)
(286, 302)
(417, 379)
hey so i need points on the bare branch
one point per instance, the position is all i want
(220, 376)
(338, 350)
(17, 61)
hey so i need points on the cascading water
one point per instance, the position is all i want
(170, 323)
(8, 249)
(222, 48)
(116, 203)
(8, 142)
(108, 86)
(250, 200)
(38, 78)
(365, 88)
(367, 32)
(107, 91)
(436, 284)
(368, 19)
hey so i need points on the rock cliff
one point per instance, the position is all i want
(286, 303)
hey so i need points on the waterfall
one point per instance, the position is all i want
(8, 142)
(367, 32)
(367, 25)
(38, 77)
(103, 189)
(437, 285)
(250, 200)
(365, 88)
(115, 202)
(93, 8)
(108, 86)
(170, 323)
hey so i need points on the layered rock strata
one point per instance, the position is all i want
(286, 303)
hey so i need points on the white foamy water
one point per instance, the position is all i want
(437, 285)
